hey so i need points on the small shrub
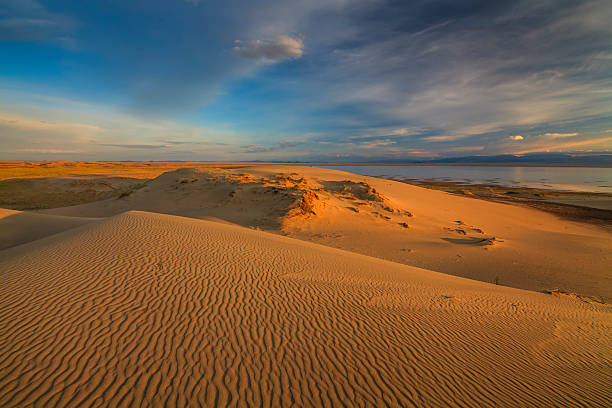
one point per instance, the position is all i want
(125, 193)
(129, 191)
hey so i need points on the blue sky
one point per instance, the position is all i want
(316, 80)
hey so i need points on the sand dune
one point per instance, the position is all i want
(488, 241)
(156, 310)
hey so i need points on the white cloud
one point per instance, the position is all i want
(281, 48)
(516, 137)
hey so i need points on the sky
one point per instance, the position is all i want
(303, 80)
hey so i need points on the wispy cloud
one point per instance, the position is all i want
(133, 146)
(459, 75)
(106, 134)
(464, 149)
(373, 144)
(48, 151)
(280, 48)
(22, 123)
(560, 135)
(29, 20)
(253, 148)
(516, 137)
(443, 138)
(594, 143)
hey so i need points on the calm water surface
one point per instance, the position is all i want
(553, 178)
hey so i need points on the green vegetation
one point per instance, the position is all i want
(130, 190)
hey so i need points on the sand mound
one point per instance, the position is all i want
(264, 201)
(482, 240)
(156, 310)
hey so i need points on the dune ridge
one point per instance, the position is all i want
(148, 310)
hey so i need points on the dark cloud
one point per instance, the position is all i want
(476, 67)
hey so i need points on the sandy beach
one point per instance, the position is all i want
(210, 287)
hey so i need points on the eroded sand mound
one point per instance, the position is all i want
(265, 200)
(156, 310)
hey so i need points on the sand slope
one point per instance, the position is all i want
(156, 310)
(488, 241)
(17, 227)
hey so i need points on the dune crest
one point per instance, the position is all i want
(149, 310)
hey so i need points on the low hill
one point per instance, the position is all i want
(487, 241)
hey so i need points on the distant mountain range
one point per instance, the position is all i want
(595, 159)
(599, 159)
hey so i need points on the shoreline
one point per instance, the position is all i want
(586, 165)
(590, 207)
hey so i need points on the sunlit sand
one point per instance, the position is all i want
(193, 290)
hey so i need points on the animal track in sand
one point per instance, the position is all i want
(476, 241)
(584, 298)
(470, 239)
(452, 298)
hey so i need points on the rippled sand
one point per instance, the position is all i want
(145, 309)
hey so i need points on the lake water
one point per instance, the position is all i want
(587, 179)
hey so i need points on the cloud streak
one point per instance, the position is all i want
(253, 148)
(28, 20)
(281, 48)
(560, 135)
(133, 146)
